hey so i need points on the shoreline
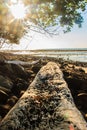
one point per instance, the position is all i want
(26, 57)
(75, 74)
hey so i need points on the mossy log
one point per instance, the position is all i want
(46, 105)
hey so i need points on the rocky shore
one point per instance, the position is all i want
(15, 79)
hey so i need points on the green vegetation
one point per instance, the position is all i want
(41, 16)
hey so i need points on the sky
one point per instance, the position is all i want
(77, 38)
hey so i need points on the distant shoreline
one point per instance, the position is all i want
(74, 55)
(36, 50)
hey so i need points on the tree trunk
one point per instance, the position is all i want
(46, 105)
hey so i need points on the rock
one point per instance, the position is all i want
(4, 110)
(8, 91)
(6, 70)
(71, 66)
(82, 101)
(12, 100)
(47, 104)
(19, 85)
(30, 72)
(6, 82)
(36, 67)
(33, 75)
(21, 93)
(86, 116)
(19, 71)
(3, 96)
(12, 71)
(77, 82)
(81, 70)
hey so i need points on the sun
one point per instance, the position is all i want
(18, 10)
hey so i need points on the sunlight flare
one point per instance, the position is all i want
(14, 1)
(18, 10)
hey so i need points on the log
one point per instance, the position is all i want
(47, 104)
(19, 62)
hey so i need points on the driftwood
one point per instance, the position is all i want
(18, 62)
(46, 105)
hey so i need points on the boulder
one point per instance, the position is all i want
(12, 71)
(46, 105)
(6, 82)
(19, 71)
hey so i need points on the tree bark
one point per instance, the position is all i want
(46, 105)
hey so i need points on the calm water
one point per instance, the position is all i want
(68, 54)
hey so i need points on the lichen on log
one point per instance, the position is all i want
(47, 104)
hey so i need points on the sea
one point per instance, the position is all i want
(74, 54)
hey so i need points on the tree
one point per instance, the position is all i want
(40, 15)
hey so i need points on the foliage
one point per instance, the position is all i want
(42, 15)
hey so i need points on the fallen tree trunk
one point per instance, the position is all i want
(46, 105)
(18, 62)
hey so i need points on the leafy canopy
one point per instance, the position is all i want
(40, 15)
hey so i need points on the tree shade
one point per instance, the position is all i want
(41, 16)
